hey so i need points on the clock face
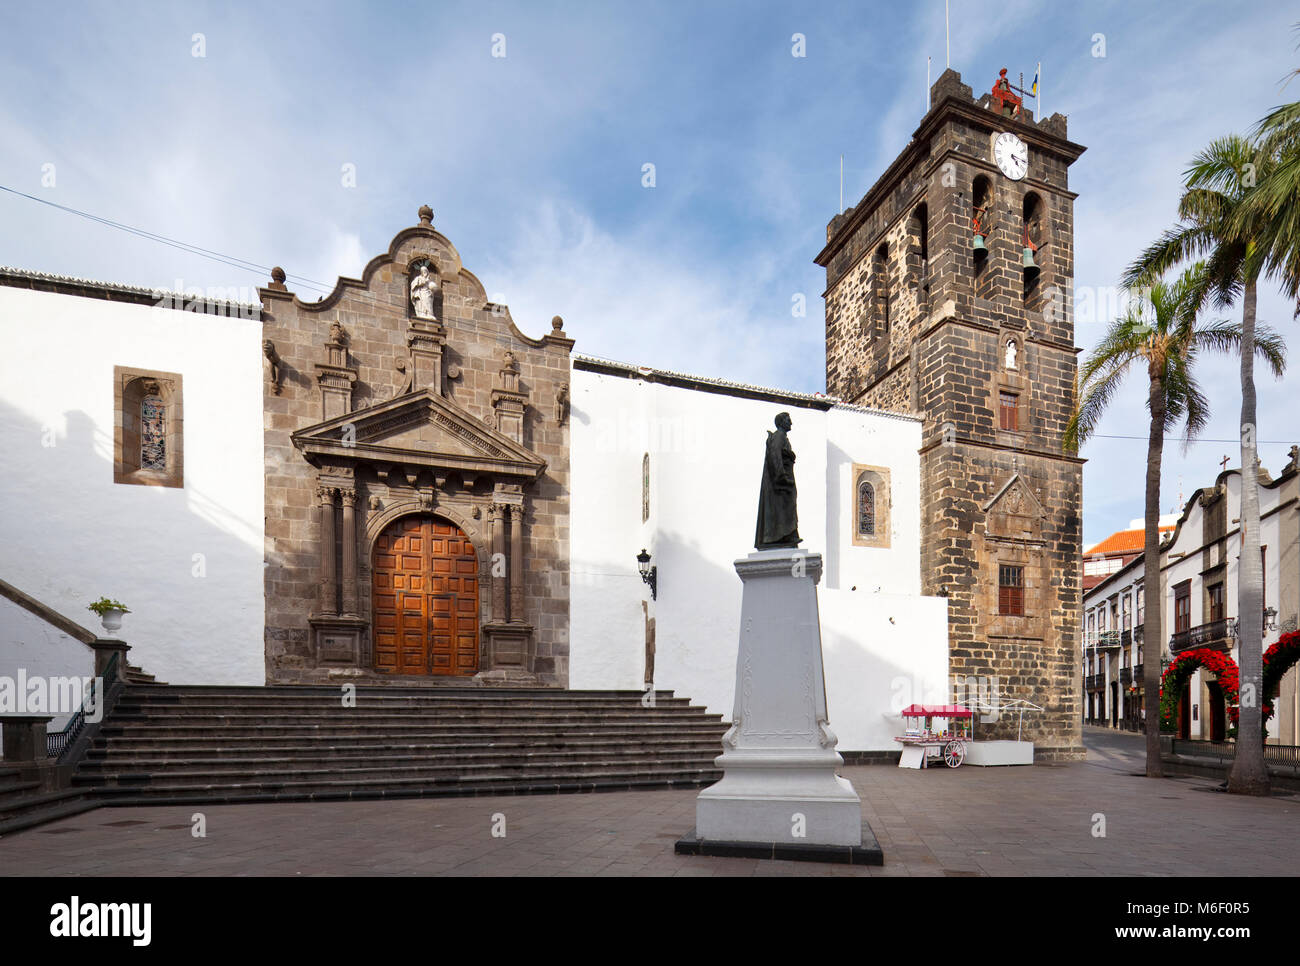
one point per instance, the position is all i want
(1012, 155)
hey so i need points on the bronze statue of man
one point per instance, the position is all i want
(778, 521)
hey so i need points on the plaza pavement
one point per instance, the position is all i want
(956, 822)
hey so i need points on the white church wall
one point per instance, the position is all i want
(37, 649)
(606, 622)
(882, 652)
(856, 436)
(187, 561)
(706, 453)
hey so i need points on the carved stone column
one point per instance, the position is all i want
(329, 577)
(516, 563)
(349, 551)
(510, 651)
(497, 513)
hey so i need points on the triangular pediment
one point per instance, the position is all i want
(419, 429)
(1014, 512)
(1017, 498)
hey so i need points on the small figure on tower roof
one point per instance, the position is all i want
(1004, 96)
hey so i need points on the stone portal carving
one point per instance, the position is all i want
(562, 403)
(335, 378)
(273, 365)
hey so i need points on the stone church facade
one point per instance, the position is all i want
(417, 478)
(394, 483)
(930, 309)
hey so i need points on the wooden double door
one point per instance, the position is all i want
(426, 611)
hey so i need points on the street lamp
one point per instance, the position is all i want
(649, 574)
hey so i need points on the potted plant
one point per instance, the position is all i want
(110, 613)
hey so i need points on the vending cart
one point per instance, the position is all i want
(934, 732)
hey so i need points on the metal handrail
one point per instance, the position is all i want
(1203, 635)
(58, 742)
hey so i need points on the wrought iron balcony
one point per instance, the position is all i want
(1126, 639)
(1126, 676)
(1108, 639)
(1215, 635)
(1137, 633)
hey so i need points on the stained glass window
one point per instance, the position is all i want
(866, 509)
(153, 433)
(645, 487)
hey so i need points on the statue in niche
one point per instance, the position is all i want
(423, 287)
(1012, 349)
(778, 519)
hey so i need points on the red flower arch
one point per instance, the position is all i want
(1281, 656)
(1178, 673)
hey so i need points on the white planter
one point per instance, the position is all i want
(112, 620)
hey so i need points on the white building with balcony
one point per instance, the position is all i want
(1199, 567)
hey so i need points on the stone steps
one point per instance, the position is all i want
(135, 675)
(424, 730)
(160, 752)
(225, 744)
(364, 775)
(512, 757)
(23, 805)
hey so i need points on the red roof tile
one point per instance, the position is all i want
(1125, 541)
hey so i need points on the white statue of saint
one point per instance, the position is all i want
(1011, 353)
(422, 288)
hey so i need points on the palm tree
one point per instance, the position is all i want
(1161, 329)
(1273, 209)
(1219, 180)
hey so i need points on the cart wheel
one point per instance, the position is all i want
(954, 753)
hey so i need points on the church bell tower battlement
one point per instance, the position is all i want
(949, 295)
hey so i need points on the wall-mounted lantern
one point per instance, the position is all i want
(649, 574)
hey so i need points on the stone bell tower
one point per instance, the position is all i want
(949, 295)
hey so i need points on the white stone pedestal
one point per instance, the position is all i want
(779, 759)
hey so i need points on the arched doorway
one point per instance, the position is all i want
(425, 594)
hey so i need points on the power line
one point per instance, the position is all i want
(231, 260)
(1260, 442)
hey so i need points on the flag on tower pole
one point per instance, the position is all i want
(1033, 89)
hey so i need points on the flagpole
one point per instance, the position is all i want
(1038, 98)
(947, 43)
(927, 85)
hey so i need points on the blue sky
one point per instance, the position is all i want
(533, 161)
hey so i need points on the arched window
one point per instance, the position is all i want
(866, 509)
(645, 487)
(1032, 239)
(882, 289)
(147, 439)
(918, 250)
(868, 492)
